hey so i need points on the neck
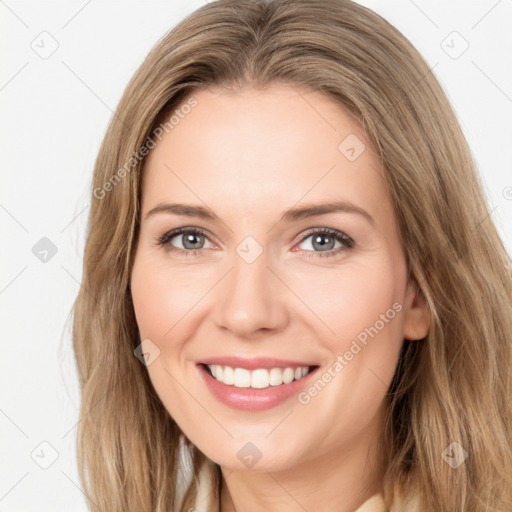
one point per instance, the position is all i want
(340, 480)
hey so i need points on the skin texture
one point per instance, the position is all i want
(249, 156)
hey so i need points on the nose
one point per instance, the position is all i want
(251, 299)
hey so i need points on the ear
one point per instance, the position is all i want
(417, 313)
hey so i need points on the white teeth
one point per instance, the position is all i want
(276, 377)
(242, 378)
(288, 375)
(228, 376)
(258, 379)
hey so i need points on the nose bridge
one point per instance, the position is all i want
(249, 299)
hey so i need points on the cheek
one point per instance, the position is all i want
(353, 299)
(162, 299)
(150, 298)
(360, 307)
(161, 302)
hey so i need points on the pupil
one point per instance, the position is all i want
(320, 239)
(189, 241)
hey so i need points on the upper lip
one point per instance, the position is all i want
(254, 363)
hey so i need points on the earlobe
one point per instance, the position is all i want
(417, 313)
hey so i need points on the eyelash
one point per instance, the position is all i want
(339, 236)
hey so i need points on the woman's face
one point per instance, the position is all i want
(263, 286)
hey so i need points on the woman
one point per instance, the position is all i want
(293, 295)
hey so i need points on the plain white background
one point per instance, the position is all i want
(55, 109)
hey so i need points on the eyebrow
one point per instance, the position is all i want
(293, 214)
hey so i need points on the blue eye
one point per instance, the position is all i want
(191, 238)
(323, 239)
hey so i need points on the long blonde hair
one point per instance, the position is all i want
(453, 386)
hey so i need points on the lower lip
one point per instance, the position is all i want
(251, 399)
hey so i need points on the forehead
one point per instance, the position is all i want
(252, 149)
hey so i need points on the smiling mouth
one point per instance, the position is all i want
(260, 378)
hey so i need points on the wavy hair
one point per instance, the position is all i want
(455, 385)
